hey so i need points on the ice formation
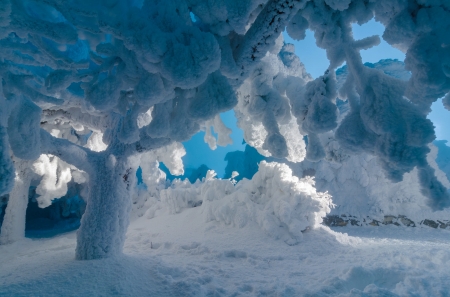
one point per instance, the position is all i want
(98, 84)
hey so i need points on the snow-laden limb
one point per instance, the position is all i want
(264, 110)
(222, 131)
(13, 226)
(420, 29)
(280, 203)
(170, 155)
(77, 116)
(316, 109)
(382, 121)
(263, 33)
(226, 16)
(95, 142)
(67, 151)
(23, 131)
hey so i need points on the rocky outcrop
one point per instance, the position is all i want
(400, 220)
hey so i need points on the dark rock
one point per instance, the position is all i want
(407, 222)
(389, 220)
(332, 221)
(430, 223)
(443, 225)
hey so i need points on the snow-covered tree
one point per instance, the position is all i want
(97, 84)
(138, 75)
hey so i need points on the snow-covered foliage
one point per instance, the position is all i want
(223, 133)
(264, 111)
(280, 203)
(56, 174)
(95, 84)
(388, 117)
(357, 180)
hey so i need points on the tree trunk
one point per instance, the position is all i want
(105, 221)
(13, 227)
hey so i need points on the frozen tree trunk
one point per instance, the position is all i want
(13, 227)
(105, 221)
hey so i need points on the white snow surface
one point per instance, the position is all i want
(181, 255)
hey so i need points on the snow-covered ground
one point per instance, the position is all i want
(182, 255)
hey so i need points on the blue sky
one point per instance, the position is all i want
(316, 63)
(198, 152)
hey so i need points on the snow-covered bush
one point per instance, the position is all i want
(281, 204)
(181, 194)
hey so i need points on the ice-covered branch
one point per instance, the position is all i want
(263, 33)
(77, 117)
(67, 151)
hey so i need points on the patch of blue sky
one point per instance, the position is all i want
(198, 152)
(377, 53)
